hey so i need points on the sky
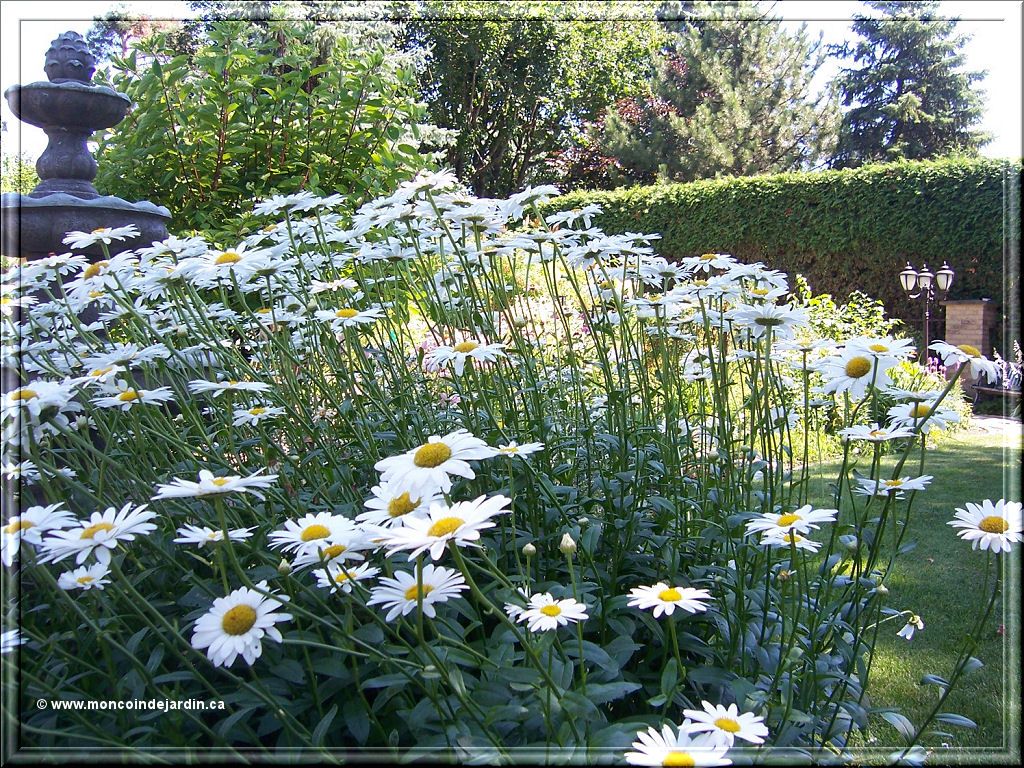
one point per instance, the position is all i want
(28, 26)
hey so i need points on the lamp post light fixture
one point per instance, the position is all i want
(926, 285)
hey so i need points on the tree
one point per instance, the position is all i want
(18, 174)
(908, 95)
(517, 80)
(119, 29)
(732, 96)
(258, 109)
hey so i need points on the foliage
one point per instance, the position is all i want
(119, 30)
(259, 108)
(859, 316)
(711, 112)
(856, 227)
(517, 79)
(907, 92)
(628, 424)
(18, 174)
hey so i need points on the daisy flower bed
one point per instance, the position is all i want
(441, 479)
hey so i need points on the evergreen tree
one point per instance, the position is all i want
(908, 95)
(732, 97)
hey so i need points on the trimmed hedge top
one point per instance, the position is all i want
(842, 230)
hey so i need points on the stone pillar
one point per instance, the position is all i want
(971, 322)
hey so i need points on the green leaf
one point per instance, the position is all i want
(900, 723)
(321, 727)
(952, 719)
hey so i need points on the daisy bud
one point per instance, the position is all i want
(520, 323)
(882, 589)
(568, 546)
(783, 575)
(284, 567)
(181, 330)
(529, 550)
(312, 306)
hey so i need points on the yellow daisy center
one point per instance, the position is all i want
(678, 758)
(228, 257)
(100, 230)
(263, 311)
(879, 348)
(220, 482)
(94, 269)
(238, 620)
(347, 313)
(402, 505)
(128, 396)
(700, 282)
(893, 483)
(257, 411)
(793, 537)
(787, 519)
(465, 346)
(994, 524)
(971, 351)
(920, 410)
(332, 551)
(606, 285)
(431, 455)
(23, 394)
(728, 724)
(85, 579)
(95, 294)
(444, 526)
(92, 530)
(316, 531)
(876, 433)
(412, 592)
(101, 371)
(551, 610)
(857, 367)
(759, 291)
(669, 595)
(340, 577)
(708, 256)
(19, 525)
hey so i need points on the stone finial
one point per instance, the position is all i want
(69, 58)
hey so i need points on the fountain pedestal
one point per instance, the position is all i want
(69, 108)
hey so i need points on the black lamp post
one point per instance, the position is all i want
(925, 285)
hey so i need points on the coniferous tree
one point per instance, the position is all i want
(908, 94)
(733, 96)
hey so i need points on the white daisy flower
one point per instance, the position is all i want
(854, 371)
(30, 527)
(106, 235)
(399, 594)
(312, 532)
(236, 624)
(726, 724)
(676, 746)
(339, 576)
(956, 355)
(389, 505)
(460, 523)
(98, 535)
(544, 612)
(665, 599)
(202, 535)
(85, 578)
(708, 261)
(514, 449)
(874, 433)
(255, 415)
(209, 485)
(790, 538)
(24, 471)
(759, 318)
(347, 317)
(427, 468)
(914, 622)
(867, 486)
(458, 354)
(989, 526)
(124, 396)
(883, 346)
(10, 640)
(913, 415)
(220, 387)
(801, 520)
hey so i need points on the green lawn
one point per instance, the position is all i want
(941, 580)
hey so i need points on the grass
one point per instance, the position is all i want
(941, 580)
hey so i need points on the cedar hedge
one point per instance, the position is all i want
(842, 230)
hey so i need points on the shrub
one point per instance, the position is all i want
(840, 229)
(256, 109)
